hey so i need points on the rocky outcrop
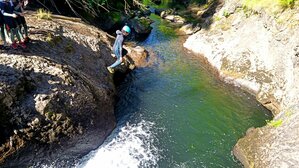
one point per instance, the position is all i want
(57, 96)
(259, 52)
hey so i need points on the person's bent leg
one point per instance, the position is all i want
(25, 30)
(17, 33)
(12, 37)
(20, 32)
(116, 63)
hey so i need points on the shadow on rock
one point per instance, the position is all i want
(57, 98)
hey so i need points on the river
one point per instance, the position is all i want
(176, 113)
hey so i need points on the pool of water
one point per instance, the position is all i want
(176, 114)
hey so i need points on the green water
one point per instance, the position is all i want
(197, 119)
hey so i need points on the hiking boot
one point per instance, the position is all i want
(27, 40)
(14, 45)
(22, 44)
(111, 70)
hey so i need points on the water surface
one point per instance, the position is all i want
(176, 114)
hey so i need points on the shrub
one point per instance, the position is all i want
(287, 3)
(273, 123)
(43, 14)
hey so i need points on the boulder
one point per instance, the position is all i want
(175, 18)
(190, 29)
(164, 13)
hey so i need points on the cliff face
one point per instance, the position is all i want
(260, 53)
(56, 95)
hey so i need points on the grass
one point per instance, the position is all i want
(226, 13)
(273, 123)
(53, 40)
(43, 14)
(216, 18)
(287, 3)
(69, 48)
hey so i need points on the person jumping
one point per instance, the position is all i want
(117, 47)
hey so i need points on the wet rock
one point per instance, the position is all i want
(164, 13)
(147, 12)
(138, 55)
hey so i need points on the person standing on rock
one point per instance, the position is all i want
(2, 27)
(19, 10)
(117, 47)
(7, 10)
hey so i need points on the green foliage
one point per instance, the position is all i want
(287, 3)
(116, 16)
(169, 31)
(43, 14)
(69, 48)
(216, 18)
(53, 40)
(273, 123)
(226, 13)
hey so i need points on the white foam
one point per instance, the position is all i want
(133, 147)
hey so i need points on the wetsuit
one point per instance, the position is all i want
(117, 48)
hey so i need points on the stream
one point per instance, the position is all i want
(176, 113)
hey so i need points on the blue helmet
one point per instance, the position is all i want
(127, 29)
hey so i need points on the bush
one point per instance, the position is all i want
(43, 14)
(287, 3)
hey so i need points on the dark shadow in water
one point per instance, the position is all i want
(128, 100)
